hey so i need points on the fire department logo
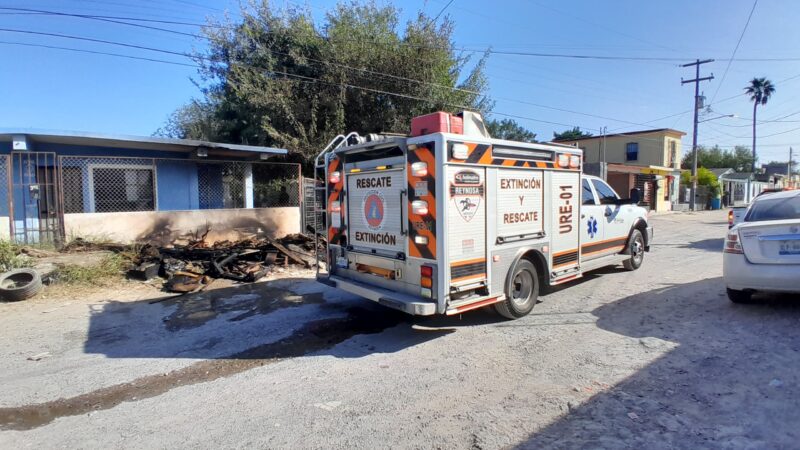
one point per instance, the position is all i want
(373, 210)
(466, 192)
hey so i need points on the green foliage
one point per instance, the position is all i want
(510, 130)
(760, 90)
(109, 269)
(279, 79)
(569, 135)
(11, 258)
(705, 177)
(739, 159)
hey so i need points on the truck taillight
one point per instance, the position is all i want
(426, 281)
(419, 207)
(336, 207)
(732, 243)
(335, 177)
(730, 218)
(419, 169)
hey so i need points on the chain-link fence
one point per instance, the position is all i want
(118, 184)
(4, 162)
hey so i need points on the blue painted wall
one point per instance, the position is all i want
(177, 187)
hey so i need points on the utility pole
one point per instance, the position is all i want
(696, 82)
(603, 165)
(789, 179)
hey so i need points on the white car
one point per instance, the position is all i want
(762, 253)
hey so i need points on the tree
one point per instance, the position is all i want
(705, 177)
(570, 135)
(739, 159)
(760, 90)
(510, 130)
(277, 78)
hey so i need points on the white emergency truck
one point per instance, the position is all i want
(449, 219)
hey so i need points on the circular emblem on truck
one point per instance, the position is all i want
(373, 210)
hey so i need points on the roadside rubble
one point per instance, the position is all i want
(190, 265)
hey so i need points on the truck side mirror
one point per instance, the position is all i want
(636, 196)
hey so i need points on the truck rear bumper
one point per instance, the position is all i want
(395, 300)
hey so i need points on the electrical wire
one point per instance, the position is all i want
(95, 52)
(733, 55)
(274, 72)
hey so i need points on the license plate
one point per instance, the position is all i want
(341, 261)
(789, 248)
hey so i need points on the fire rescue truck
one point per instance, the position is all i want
(447, 220)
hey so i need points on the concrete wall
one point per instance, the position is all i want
(5, 228)
(164, 226)
(654, 149)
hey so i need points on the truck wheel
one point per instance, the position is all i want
(635, 250)
(522, 291)
(740, 296)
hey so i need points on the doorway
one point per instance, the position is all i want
(35, 200)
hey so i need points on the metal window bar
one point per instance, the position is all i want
(117, 184)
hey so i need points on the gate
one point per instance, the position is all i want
(34, 200)
(312, 216)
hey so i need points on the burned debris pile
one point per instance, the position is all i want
(192, 264)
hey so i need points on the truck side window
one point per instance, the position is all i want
(605, 193)
(587, 195)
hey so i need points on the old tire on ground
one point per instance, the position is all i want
(19, 284)
(740, 296)
(635, 250)
(522, 291)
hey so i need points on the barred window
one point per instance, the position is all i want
(117, 189)
(221, 185)
(275, 186)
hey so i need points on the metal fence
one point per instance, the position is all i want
(120, 184)
(4, 184)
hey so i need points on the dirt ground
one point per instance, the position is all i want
(657, 358)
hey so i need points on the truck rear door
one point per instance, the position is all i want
(375, 211)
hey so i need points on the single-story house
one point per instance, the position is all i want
(58, 185)
(742, 187)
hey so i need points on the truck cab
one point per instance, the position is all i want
(449, 219)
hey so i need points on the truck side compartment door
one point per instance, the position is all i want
(592, 223)
(466, 225)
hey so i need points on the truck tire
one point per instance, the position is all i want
(739, 296)
(635, 250)
(522, 291)
(19, 284)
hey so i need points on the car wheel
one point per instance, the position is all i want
(635, 250)
(740, 296)
(522, 291)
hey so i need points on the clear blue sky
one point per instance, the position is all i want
(56, 89)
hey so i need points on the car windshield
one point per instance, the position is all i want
(774, 209)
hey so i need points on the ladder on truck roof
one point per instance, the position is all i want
(321, 186)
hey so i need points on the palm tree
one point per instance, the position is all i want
(759, 90)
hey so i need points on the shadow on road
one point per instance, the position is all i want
(234, 322)
(731, 381)
(230, 330)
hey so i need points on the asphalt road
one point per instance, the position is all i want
(657, 358)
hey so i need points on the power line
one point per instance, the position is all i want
(538, 105)
(135, 19)
(274, 72)
(95, 52)
(733, 55)
(433, 21)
